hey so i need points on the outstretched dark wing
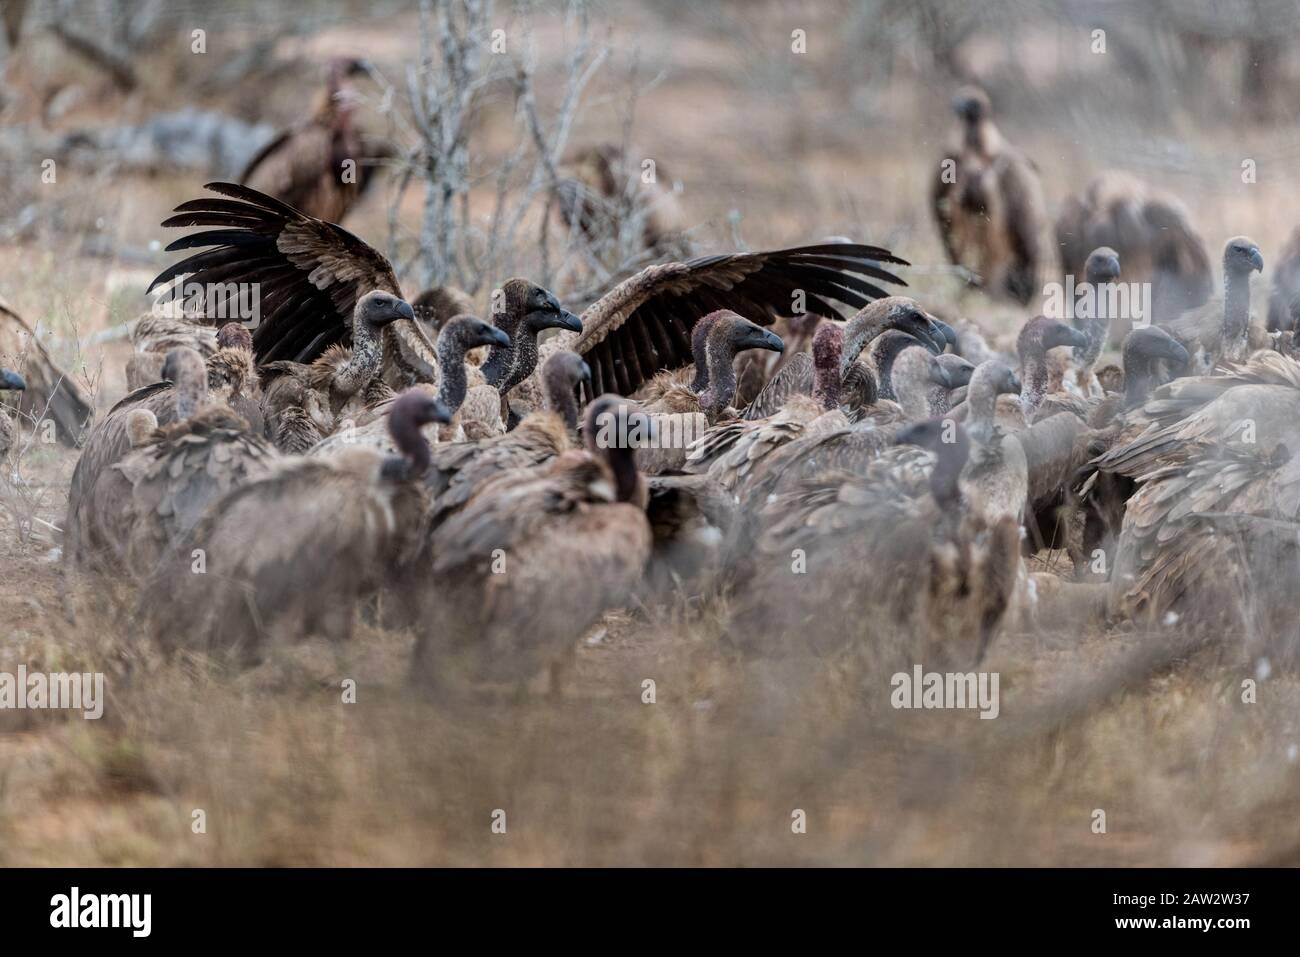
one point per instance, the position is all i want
(308, 273)
(643, 325)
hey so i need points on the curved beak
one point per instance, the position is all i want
(404, 310)
(1076, 337)
(563, 319)
(497, 337)
(947, 332)
(585, 374)
(1256, 259)
(12, 381)
(1174, 352)
(765, 339)
(1016, 385)
(438, 412)
(942, 376)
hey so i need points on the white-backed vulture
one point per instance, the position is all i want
(536, 557)
(159, 490)
(1037, 337)
(296, 552)
(1153, 237)
(1284, 297)
(896, 560)
(1101, 269)
(51, 392)
(321, 166)
(460, 335)
(988, 205)
(600, 191)
(155, 335)
(1221, 329)
(433, 308)
(10, 381)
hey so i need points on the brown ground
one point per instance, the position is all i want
(710, 774)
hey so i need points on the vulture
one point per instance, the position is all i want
(231, 381)
(1038, 336)
(306, 402)
(1151, 234)
(295, 552)
(159, 490)
(51, 393)
(433, 308)
(1213, 522)
(1100, 270)
(459, 469)
(893, 559)
(311, 274)
(10, 381)
(600, 191)
(535, 557)
(1284, 298)
(307, 166)
(155, 335)
(988, 204)
(1221, 328)
(467, 405)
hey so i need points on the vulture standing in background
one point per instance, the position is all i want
(321, 167)
(1221, 328)
(989, 207)
(951, 569)
(536, 557)
(9, 382)
(600, 188)
(156, 335)
(50, 391)
(312, 273)
(1284, 299)
(1150, 233)
(296, 552)
(159, 490)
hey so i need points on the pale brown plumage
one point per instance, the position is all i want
(295, 552)
(600, 189)
(1153, 236)
(51, 392)
(1221, 329)
(988, 204)
(156, 334)
(321, 166)
(569, 541)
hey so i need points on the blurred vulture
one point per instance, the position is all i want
(10, 381)
(898, 562)
(156, 335)
(600, 191)
(295, 552)
(159, 490)
(988, 204)
(231, 381)
(1284, 299)
(51, 393)
(1151, 234)
(312, 273)
(321, 166)
(1221, 329)
(536, 557)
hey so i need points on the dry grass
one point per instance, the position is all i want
(286, 773)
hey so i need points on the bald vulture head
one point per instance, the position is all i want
(185, 369)
(1241, 257)
(991, 379)
(234, 335)
(958, 369)
(1143, 350)
(536, 308)
(613, 429)
(11, 381)
(562, 374)
(1102, 266)
(468, 332)
(892, 312)
(413, 410)
(377, 309)
(1041, 333)
(972, 105)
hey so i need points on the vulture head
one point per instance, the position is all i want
(11, 381)
(1241, 257)
(413, 410)
(234, 335)
(892, 312)
(185, 369)
(232, 370)
(469, 332)
(971, 104)
(734, 333)
(377, 309)
(536, 308)
(699, 349)
(1041, 333)
(914, 374)
(951, 446)
(990, 380)
(562, 374)
(1144, 349)
(436, 305)
(613, 429)
(1101, 266)
(959, 370)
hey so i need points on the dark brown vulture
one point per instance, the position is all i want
(311, 274)
(1151, 233)
(321, 166)
(50, 391)
(989, 207)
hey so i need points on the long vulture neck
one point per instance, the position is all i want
(699, 356)
(627, 480)
(413, 457)
(856, 336)
(1139, 378)
(500, 358)
(719, 357)
(1035, 379)
(363, 364)
(1096, 327)
(983, 402)
(191, 392)
(561, 400)
(1236, 306)
(982, 137)
(945, 478)
(826, 385)
(451, 368)
(939, 401)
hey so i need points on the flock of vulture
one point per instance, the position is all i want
(497, 483)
